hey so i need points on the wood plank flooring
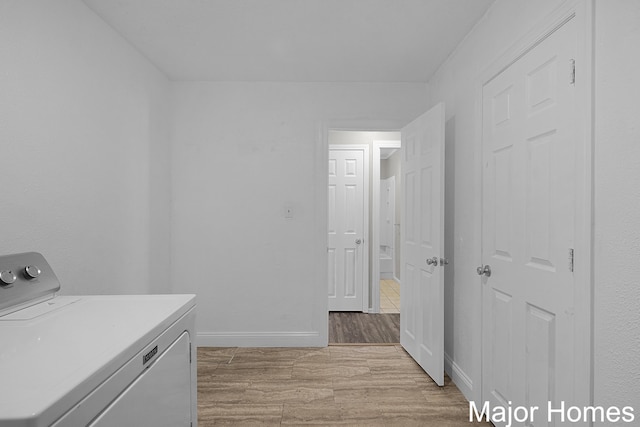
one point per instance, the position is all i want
(363, 328)
(336, 385)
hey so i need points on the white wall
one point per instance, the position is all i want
(455, 83)
(617, 204)
(241, 153)
(616, 190)
(84, 149)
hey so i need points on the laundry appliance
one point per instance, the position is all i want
(99, 360)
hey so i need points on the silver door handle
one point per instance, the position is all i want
(358, 241)
(432, 261)
(486, 270)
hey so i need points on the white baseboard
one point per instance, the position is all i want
(459, 377)
(260, 339)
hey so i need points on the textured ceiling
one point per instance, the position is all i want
(294, 40)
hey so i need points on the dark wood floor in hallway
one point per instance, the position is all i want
(336, 385)
(363, 328)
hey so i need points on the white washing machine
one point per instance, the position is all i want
(69, 361)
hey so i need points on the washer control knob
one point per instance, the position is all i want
(32, 272)
(7, 277)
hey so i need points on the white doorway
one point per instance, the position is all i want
(422, 316)
(533, 191)
(374, 141)
(383, 150)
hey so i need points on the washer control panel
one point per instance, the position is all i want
(25, 277)
(7, 277)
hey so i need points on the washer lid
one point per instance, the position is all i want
(56, 352)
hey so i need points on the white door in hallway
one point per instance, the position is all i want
(348, 195)
(528, 216)
(422, 237)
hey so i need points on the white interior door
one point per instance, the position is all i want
(347, 228)
(529, 187)
(422, 295)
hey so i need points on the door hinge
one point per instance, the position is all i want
(572, 71)
(571, 260)
(190, 350)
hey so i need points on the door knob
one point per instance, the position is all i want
(432, 261)
(358, 241)
(486, 270)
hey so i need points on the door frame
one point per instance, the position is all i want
(321, 172)
(582, 12)
(365, 225)
(375, 221)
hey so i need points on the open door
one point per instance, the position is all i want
(422, 240)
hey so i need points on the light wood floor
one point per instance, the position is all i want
(335, 385)
(389, 296)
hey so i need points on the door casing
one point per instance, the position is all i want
(321, 154)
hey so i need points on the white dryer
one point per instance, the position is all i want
(69, 361)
